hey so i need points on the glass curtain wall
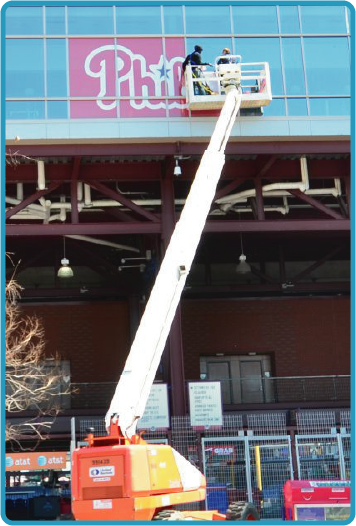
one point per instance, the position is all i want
(307, 47)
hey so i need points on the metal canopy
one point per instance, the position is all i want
(127, 194)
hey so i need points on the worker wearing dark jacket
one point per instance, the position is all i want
(194, 59)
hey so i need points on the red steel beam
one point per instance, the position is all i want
(74, 190)
(236, 170)
(259, 200)
(212, 226)
(123, 200)
(315, 265)
(280, 225)
(316, 204)
(83, 229)
(175, 342)
(186, 148)
(123, 289)
(30, 199)
(97, 172)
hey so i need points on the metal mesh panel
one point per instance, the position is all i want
(309, 388)
(275, 469)
(232, 424)
(225, 471)
(315, 422)
(346, 447)
(345, 420)
(318, 458)
(97, 423)
(267, 423)
(185, 441)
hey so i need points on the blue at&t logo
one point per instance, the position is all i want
(9, 462)
(41, 461)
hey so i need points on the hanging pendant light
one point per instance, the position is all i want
(177, 168)
(65, 271)
(242, 267)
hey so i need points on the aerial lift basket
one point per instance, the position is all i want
(205, 90)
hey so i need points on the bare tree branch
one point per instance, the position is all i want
(33, 381)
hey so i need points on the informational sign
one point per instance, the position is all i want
(156, 415)
(205, 404)
(36, 461)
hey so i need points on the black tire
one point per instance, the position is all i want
(168, 515)
(242, 511)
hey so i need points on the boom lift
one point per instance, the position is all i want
(121, 477)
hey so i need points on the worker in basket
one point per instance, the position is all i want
(194, 59)
(226, 57)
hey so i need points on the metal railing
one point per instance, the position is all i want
(259, 390)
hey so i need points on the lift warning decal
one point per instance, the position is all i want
(105, 504)
(102, 471)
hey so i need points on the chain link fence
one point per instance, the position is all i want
(251, 455)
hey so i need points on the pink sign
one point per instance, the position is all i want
(126, 78)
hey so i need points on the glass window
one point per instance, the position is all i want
(25, 109)
(207, 20)
(55, 21)
(24, 67)
(297, 107)
(329, 107)
(276, 108)
(293, 66)
(255, 20)
(263, 50)
(212, 47)
(57, 109)
(173, 20)
(289, 19)
(323, 19)
(24, 21)
(56, 68)
(138, 20)
(348, 16)
(327, 66)
(86, 20)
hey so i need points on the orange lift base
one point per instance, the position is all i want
(139, 508)
(115, 478)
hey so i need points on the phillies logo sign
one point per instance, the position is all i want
(126, 78)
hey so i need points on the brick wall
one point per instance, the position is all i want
(304, 336)
(94, 337)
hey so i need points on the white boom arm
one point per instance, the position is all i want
(130, 398)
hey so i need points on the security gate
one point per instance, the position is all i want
(318, 457)
(345, 455)
(227, 480)
(270, 460)
(247, 468)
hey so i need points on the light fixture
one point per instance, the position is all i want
(65, 271)
(177, 168)
(243, 267)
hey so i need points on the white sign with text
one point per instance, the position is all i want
(205, 404)
(156, 414)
